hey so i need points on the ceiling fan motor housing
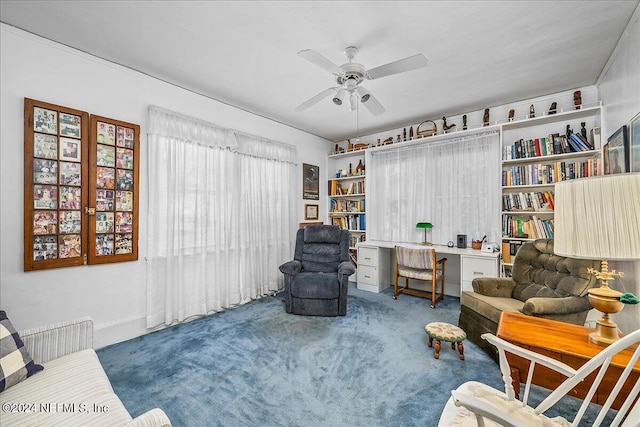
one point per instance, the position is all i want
(352, 72)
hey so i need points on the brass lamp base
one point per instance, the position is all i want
(607, 301)
(606, 332)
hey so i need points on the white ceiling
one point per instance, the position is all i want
(481, 53)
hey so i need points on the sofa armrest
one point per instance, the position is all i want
(346, 268)
(50, 342)
(291, 268)
(494, 286)
(153, 418)
(556, 306)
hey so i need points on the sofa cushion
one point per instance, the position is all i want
(489, 307)
(72, 390)
(538, 272)
(15, 363)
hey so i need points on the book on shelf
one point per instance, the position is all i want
(346, 206)
(545, 146)
(510, 249)
(531, 201)
(549, 173)
(340, 221)
(531, 227)
(355, 239)
(506, 254)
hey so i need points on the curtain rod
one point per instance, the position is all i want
(415, 146)
(207, 123)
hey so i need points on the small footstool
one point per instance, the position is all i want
(440, 331)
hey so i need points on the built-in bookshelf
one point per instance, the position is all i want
(346, 200)
(537, 153)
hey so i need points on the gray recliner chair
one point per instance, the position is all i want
(317, 279)
(543, 285)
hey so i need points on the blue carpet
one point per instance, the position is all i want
(256, 365)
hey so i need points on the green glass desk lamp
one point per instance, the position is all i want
(426, 226)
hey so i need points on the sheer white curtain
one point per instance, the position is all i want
(221, 216)
(454, 184)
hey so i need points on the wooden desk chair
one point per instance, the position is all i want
(419, 264)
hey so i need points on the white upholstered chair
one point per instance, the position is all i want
(474, 403)
(419, 264)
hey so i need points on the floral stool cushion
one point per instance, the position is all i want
(441, 331)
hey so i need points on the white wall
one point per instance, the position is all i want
(113, 295)
(619, 88)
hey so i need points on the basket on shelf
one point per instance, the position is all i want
(427, 132)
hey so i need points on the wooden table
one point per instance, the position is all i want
(567, 343)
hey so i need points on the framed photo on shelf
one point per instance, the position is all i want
(618, 151)
(310, 212)
(310, 182)
(634, 138)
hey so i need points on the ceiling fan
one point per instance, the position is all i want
(351, 74)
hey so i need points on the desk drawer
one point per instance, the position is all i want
(478, 267)
(368, 274)
(367, 256)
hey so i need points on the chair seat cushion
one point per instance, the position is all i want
(489, 307)
(497, 399)
(315, 285)
(445, 332)
(416, 273)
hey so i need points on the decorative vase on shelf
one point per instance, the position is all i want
(360, 168)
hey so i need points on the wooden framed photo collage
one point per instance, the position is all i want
(114, 190)
(80, 188)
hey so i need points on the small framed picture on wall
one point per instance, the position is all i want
(310, 182)
(635, 143)
(310, 212)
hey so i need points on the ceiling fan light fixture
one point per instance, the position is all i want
(339, 96)
(353, 102)
(363, 94)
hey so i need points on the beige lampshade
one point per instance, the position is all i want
(598, 217)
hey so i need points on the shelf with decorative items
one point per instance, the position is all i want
(537, 153)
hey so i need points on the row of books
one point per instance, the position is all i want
(349, 222)
(356, 238)
(510, 249)
(530, 227)
(535, 174)
(546, 146)
(341, 205)
(355, 187)
(532, 201)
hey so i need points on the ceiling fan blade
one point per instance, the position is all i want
(320, 61)
(373, 106)
(319, 97)
(400, 66)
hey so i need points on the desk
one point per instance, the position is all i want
(567, 343)
(375, 265)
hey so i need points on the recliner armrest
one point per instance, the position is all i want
(494, 286)
(291, 268)
(567, 305)
(346, 268)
